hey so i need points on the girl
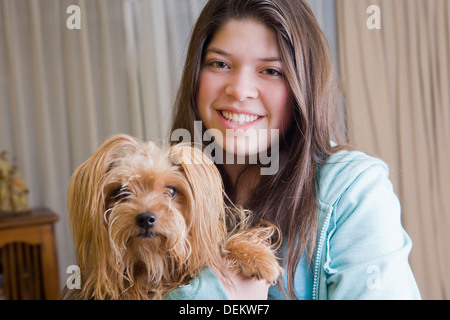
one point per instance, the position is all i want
(264, 66)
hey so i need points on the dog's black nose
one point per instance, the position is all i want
(146, 220)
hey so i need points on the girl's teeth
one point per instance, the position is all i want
(239, 119)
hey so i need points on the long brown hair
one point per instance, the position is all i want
(289, 197)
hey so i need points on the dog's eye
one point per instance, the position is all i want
(119, 194)
(171, 192)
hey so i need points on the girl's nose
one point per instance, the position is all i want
(242, 86)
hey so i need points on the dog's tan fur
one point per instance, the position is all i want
(127, 176)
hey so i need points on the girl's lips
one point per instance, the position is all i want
(239, 118)
(233, 120)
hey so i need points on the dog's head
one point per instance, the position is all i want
(140, 213)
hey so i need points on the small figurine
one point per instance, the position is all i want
(5, 185)
(19, 191)
(13, 191)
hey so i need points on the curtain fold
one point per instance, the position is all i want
(396, 82)
(162, 34)
(62, 91)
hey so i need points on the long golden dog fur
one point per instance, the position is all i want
(146, 220)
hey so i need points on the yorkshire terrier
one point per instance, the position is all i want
(146, 220)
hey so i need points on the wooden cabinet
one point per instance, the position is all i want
(28, 264)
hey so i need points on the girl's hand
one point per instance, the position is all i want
(241, 288)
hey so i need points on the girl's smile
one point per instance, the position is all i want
(236, 119)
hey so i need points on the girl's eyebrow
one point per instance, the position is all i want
(218, 51)
(224, 53)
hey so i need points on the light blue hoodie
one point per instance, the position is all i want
(361, 248)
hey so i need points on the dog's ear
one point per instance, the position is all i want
(207, 211)
(86, 205)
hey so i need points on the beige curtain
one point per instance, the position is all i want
(396, 82)
(62, 91)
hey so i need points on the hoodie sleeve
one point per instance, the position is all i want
(367, 248)
(205, 286)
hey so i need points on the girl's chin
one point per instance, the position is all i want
(243, 149)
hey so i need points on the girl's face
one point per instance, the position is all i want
(242, 87)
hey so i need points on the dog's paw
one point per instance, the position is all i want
(252, 256)
(263, 265)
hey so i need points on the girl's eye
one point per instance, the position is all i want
(218, 64)
(171, 192)
(272, 72)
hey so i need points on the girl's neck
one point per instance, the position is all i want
(244, 178)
